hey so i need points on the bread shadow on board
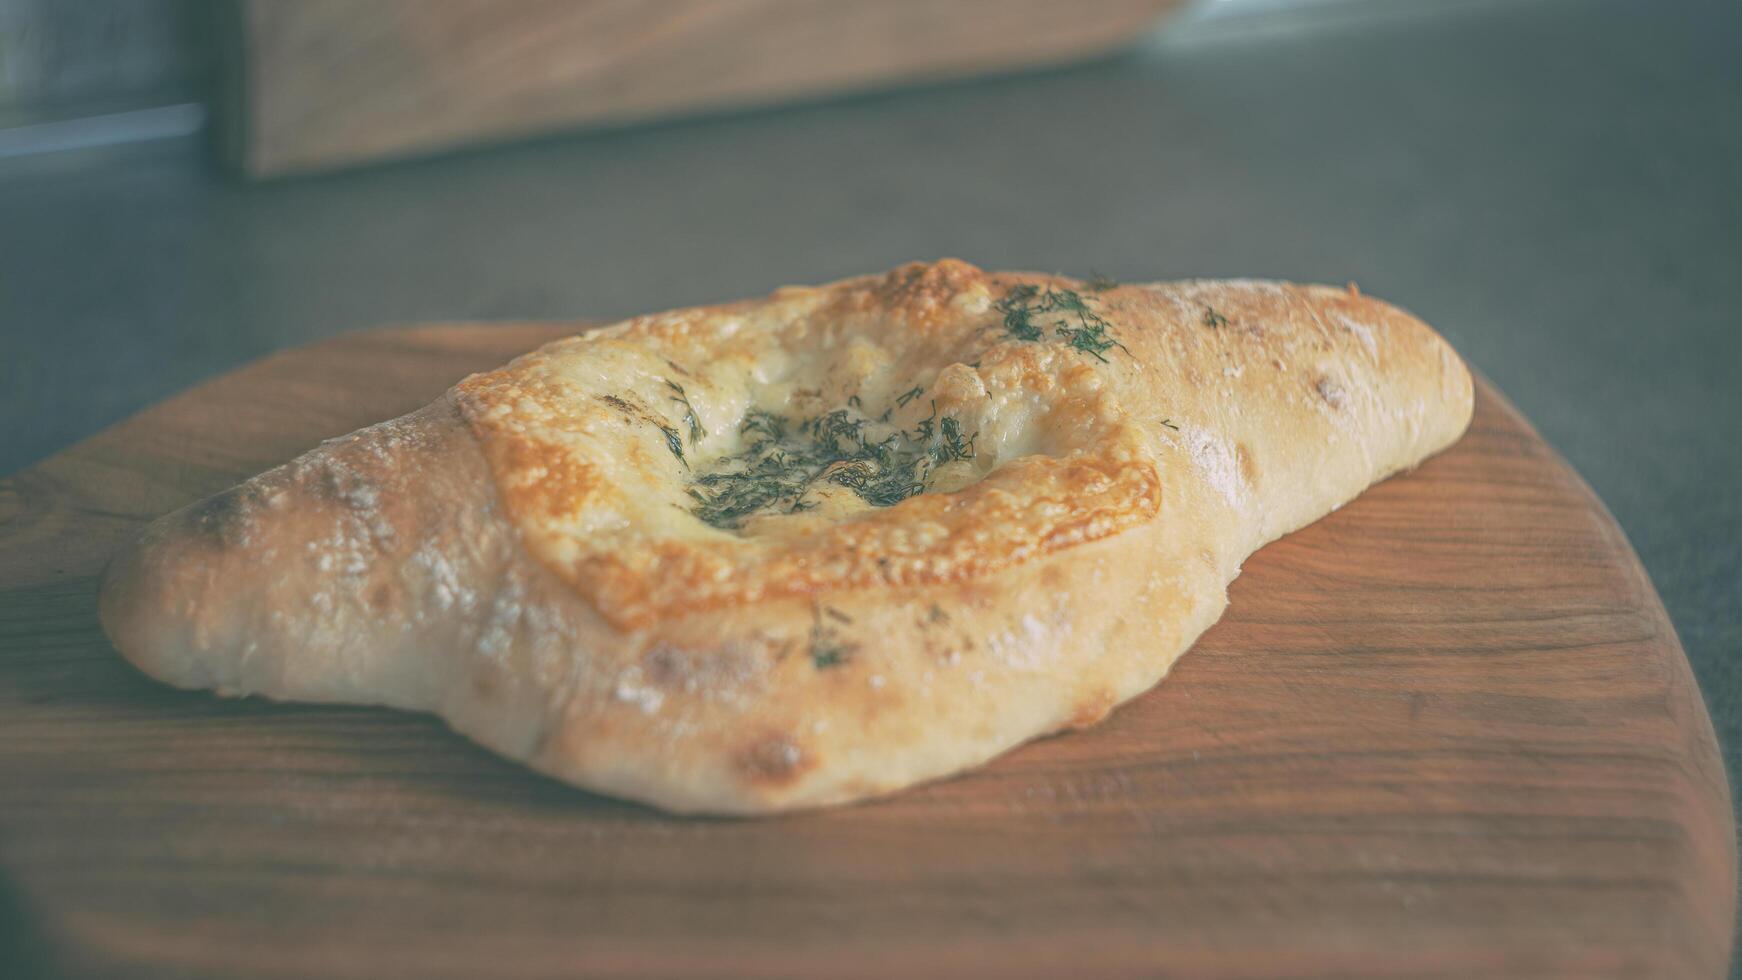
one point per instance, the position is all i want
(24, 946)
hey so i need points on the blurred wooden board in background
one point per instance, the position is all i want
(1446, 731)
(317, 84)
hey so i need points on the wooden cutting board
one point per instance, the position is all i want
(1447, 731)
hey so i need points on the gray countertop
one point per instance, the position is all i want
(1557, 186)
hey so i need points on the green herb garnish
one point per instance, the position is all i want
(690, 417)
(673, 442)
(1019, 314)
(1089, 335)
(1028, 312)
(826, 648)
(785, 460)
(762, 427)
(1214, 320)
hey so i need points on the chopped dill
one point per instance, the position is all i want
(1091, 338)
(690, 418)
(762, 427)
(954, 446)
(924, 427)
(826, 648)
(1065, 311)
(783, 461)
(908, 395)
(673, 442)
(1018, 314)
(1169, 424)
(1212, 319)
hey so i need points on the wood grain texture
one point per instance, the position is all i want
(322, 83)
(1446, 731)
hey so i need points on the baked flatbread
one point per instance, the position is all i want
(806, 549)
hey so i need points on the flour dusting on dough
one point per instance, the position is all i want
(630, 690)
(443, 583)
(1362, 331)
(1215, 459)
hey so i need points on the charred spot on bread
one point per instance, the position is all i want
(222, 519)
(620, 405)
(772, 760)
(1333, 393)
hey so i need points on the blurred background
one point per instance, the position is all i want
(1552, 183)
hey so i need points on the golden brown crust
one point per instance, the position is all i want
(544, 435)
(529, 556)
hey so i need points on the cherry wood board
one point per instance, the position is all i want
(1446, 731)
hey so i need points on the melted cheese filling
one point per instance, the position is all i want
(695, 459)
